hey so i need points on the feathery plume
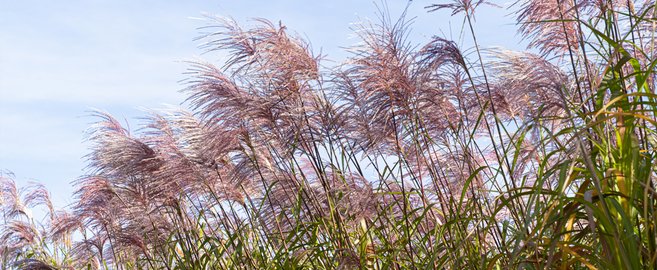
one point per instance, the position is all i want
(525, 85)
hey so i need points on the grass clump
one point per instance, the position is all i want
(402, 157)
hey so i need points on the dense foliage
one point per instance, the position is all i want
(402, 157)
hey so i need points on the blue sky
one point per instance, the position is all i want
(61, 59)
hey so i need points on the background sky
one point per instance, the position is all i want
(61, 59)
